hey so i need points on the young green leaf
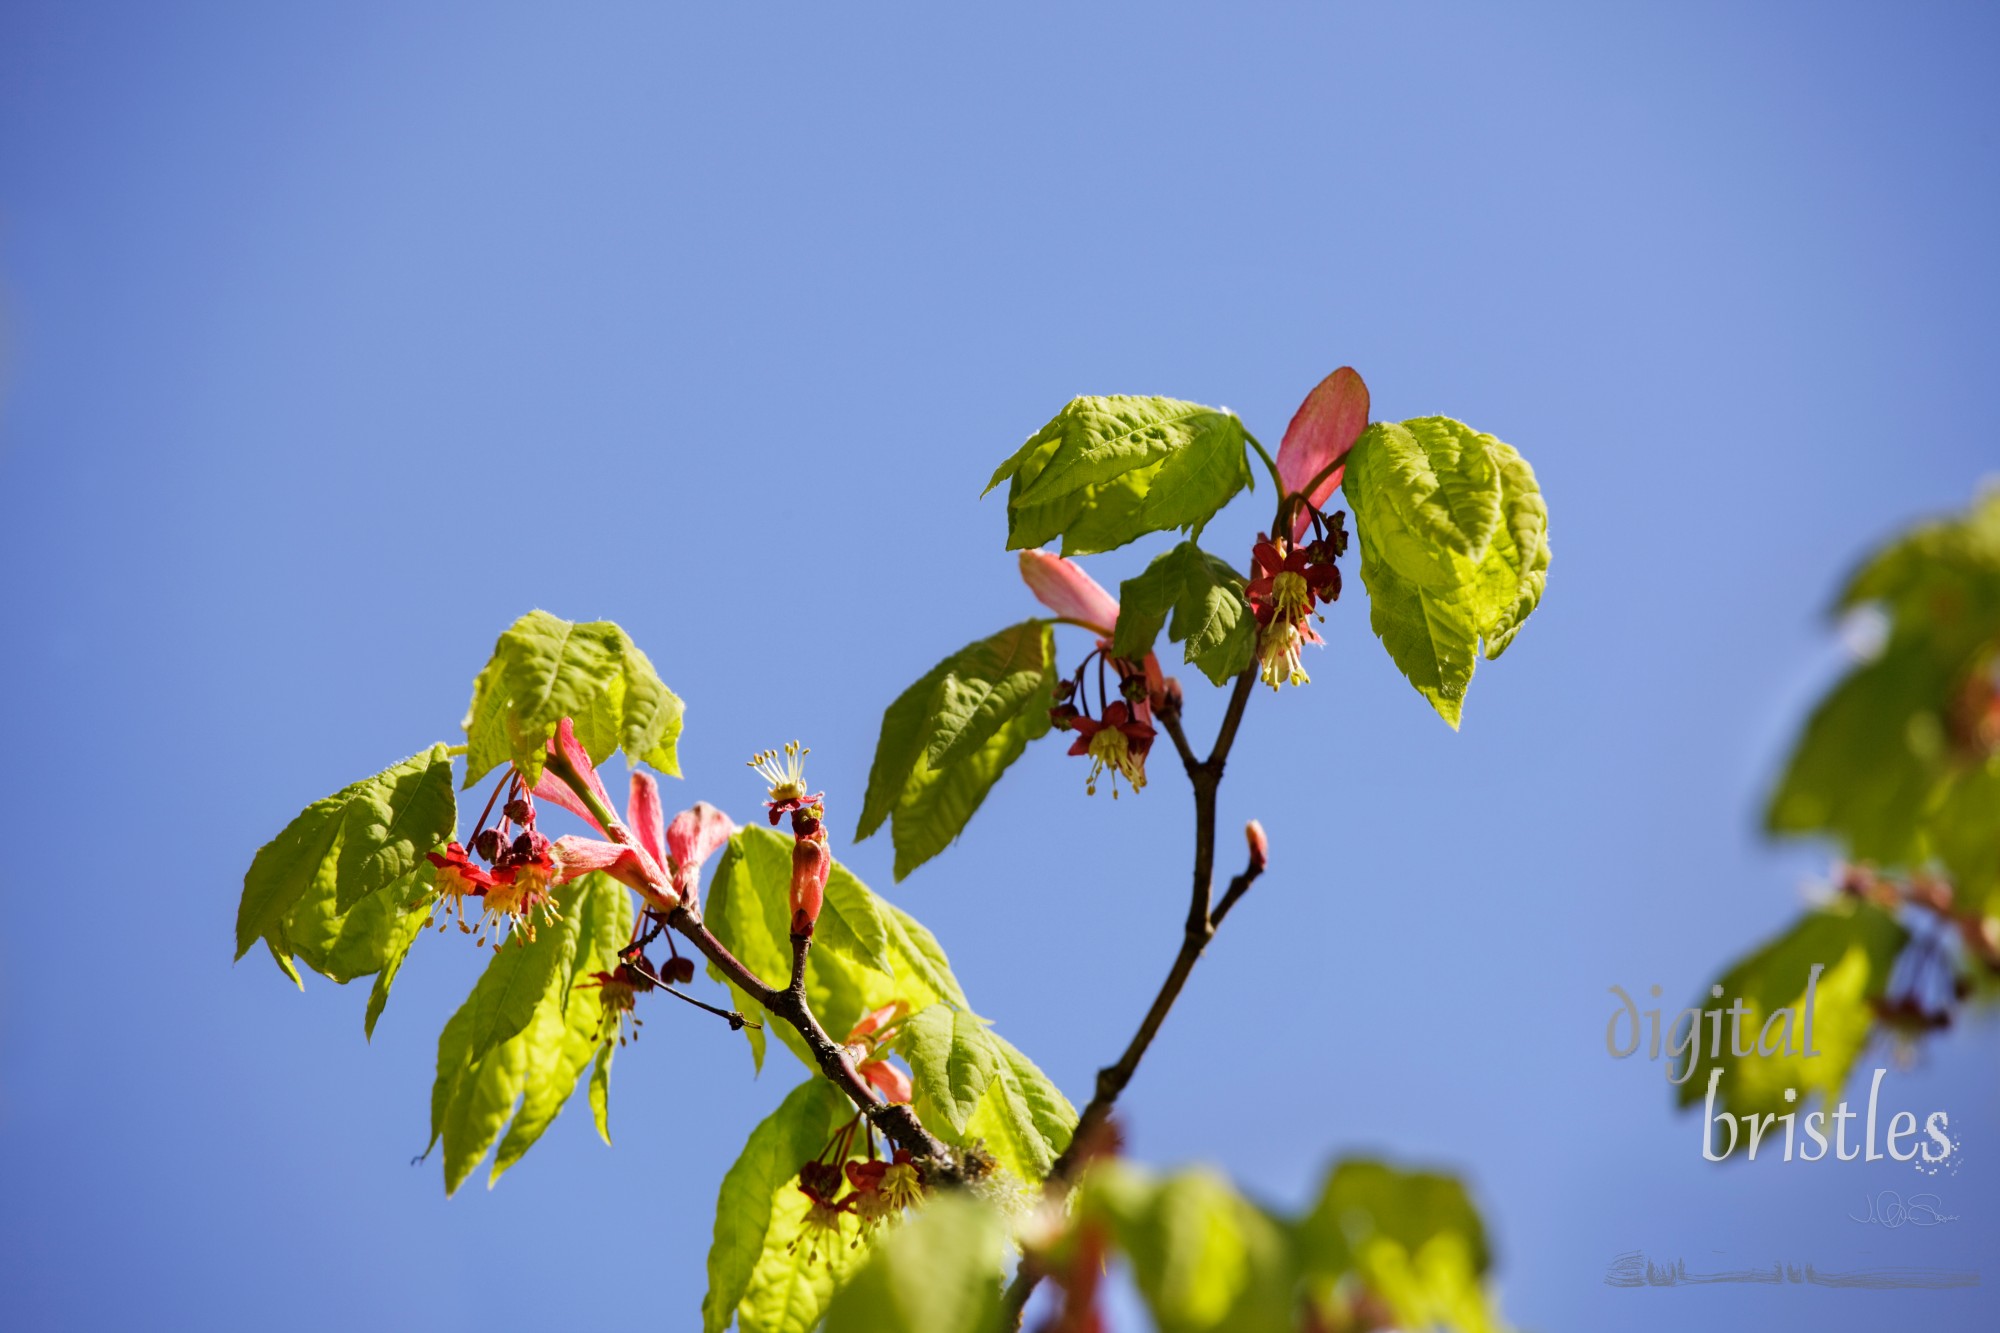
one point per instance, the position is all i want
(369, 938)
(1454, 548)
(1107, 470)
(865, 961)
(545, 669)
(953, 1059)
(1210, 614)
(352, 844)
(1024, 1119)
(518, 1036)
(571, 1030)
(989, 683)
(970, 1084)
(757, 1212)
(936, 805)
(947, 739)
(940, 1272)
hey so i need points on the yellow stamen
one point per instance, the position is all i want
(1278, 654)
(1291, 599)
(785, 773)
(1110, 748)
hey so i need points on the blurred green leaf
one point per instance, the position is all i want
(339, 852)
(1898, 764)
(1412, 1239)
(1871, 758)
(1204, 1259)
(1107, 470)
(1857, 944)
(1381, 1245)
(940, 1272)
(545, 669)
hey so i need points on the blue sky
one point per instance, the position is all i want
(338, 336)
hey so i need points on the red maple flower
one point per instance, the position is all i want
(458, 879)
(1119, 741)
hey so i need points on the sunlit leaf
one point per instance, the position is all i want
(341, 850)
(545, 669)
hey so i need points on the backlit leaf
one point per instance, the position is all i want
(1106, 470)
(1454, 548)
(340, 850)
(545, 669)
(940, 1272)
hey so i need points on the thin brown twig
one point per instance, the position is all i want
(1206, 777)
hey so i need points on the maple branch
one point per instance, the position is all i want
(1206, 777)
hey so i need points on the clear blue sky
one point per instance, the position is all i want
(337, 336)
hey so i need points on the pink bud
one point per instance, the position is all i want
(1063, 587)
(811, 864)
(892, 1083)
(1324, 428)
(1260, 847)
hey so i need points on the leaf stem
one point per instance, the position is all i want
(1269, 465)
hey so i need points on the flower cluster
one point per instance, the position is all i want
(1120, 733)
(1289, 583)
(516, 888)
(877, 1189)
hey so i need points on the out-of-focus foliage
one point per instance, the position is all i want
(1899, 769)
(1380, 1247)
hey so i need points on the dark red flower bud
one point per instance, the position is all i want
(811, 864)
(678, 970)
(820, 1181)
(487, 843)
(519, 811)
